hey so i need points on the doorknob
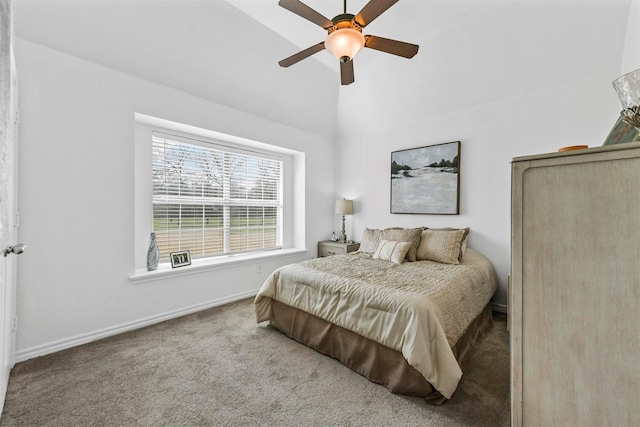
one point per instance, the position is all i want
(16, 249)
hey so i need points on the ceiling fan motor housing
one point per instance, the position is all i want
(344, 20)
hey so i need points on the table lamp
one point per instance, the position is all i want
(344, 207)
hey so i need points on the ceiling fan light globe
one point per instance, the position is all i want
(344, 42)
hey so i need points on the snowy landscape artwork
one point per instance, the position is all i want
(426, 180)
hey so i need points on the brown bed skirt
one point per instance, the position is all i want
(374, 361)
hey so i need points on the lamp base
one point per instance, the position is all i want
(343, 235)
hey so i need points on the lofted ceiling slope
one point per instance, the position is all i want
(207, 48)
(472, 52)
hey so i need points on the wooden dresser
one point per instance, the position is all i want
(575, 288)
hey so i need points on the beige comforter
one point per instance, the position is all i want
(418, 308)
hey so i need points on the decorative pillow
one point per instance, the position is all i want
(463, 247)
(443, 246)
(392, 251)
(411, 235)
(370, 239)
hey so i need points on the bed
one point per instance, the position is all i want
(404, 310)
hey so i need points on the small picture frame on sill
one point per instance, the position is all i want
(180, 259)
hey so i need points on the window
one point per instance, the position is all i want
(214, 199)
(255, 227)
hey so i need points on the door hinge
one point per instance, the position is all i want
(15, 324)
(17, 222)
(16, 119)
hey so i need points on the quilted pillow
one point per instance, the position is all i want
(443, 246)
(463, 246)
(370, 239)
(411, 235)
(392, 251)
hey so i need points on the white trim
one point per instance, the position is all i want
(293, 191)
(207, 264)
(55, 346)
(170, 127)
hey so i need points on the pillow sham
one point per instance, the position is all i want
(393, 251)
(370, 239)
(444, 246)
(463, 246)
(411, 235)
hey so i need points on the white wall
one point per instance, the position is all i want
(506, 79)
(533, 77)
(631, 54)
(490, 137)
(77, 199)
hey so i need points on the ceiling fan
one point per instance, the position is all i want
(345, 37)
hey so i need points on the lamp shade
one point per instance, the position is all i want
(344, 43)
(344, 207)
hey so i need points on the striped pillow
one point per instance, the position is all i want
(391, 250)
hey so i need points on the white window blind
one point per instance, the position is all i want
(214, 200)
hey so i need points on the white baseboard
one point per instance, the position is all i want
(52, 347)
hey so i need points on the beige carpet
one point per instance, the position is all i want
(218, 368)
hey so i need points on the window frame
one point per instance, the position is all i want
(293, 187)
(227, 200)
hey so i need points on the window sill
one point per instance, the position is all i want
(165, 271)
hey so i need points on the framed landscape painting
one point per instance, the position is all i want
(426, 180)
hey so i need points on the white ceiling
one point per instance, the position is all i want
(471, 52)
(398, 22)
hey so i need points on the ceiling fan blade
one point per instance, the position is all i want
(306, 12)
(346, 72)
(393, 47)
(287, 62)
(372, 10)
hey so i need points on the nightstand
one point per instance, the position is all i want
(327, 248)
